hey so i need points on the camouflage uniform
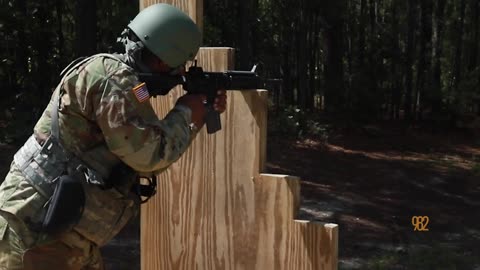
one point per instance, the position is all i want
(104, 123)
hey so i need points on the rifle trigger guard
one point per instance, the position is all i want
(146, 190)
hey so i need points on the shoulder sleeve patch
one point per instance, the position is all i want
(141, 92)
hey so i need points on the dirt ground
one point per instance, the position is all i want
(372, 181)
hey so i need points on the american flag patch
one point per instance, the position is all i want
(141, 92)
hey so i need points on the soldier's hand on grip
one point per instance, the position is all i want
(220, 103)
(196, 103)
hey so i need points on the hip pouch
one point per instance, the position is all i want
(65, 207)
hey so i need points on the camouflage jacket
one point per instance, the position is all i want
(104, 121)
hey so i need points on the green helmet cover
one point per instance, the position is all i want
(168, 33)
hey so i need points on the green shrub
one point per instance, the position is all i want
(294, 122)
(476, 169)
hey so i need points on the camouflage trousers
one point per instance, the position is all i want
(69, 251)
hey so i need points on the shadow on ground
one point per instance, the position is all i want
(372, 186)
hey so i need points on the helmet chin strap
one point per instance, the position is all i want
(133, 51)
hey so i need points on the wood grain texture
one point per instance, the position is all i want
(194, 8)
(188, 221)
(213, 209)
(283, 243)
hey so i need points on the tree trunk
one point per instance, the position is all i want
(302, 63)
(254, 33)
(86, 27)
(360, 79)
(43, 81)
(439, 26)
(334, 87)
(475, 6)
(61, 40)
(351, 8)
(372, 105)
(286, 48)
(457, 71)
(313, 51)
(409, 55)
(285, 70)
(395, 82)
(245, 37)
(373, 16)
(425, 54)
(21, 63)
(456, 107)
(361, 34)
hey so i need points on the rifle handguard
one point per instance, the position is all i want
(196, 81)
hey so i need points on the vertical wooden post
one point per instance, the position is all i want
(213, 208)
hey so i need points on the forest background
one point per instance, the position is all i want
(354, 61)
(380, 98)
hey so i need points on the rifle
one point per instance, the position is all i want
(197, 81)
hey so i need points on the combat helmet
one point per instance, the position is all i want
(168, 33)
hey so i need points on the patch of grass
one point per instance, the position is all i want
(297, 123)
(446, 162)
(476, 169)
(437, 257)
(384, 262)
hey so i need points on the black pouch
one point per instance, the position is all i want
(66, 206)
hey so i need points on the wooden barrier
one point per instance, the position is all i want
(215, 211)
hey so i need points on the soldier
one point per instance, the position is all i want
(74, 184)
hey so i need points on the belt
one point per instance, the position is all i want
(41, 163)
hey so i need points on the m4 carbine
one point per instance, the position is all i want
(197, 81)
